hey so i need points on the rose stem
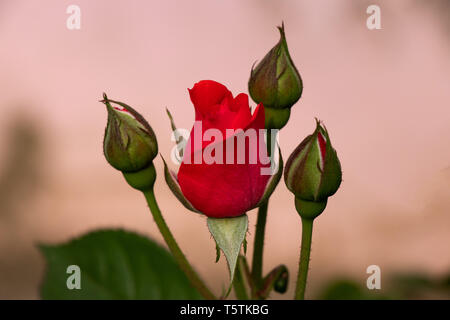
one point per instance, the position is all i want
(239, 283)
(174, 248)
(257, 262)
(307, 228)
(259, 245)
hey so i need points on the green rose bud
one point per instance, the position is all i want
(276, 83)
(313, 173)
(130, 144)
(277, 279)
(282, 281)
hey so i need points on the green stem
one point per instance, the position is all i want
(258, 249)
(239, 280)
(174, 248)
(257, 261)
(307, 228)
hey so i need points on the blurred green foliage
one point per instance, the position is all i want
(114, 264)
(403, 286)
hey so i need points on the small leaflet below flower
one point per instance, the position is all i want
(229, 234)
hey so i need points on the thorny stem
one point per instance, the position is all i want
(193, 277)
(307, 228)
(257, 262)
(259, 245)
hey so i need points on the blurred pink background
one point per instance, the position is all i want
(383, 94)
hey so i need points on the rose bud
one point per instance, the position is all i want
(225, 187)
(276, 83)
(130, 144)
(313, 173)
(277, 279)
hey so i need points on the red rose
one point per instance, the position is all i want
(228, 187)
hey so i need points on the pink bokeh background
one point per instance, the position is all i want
(383, 95)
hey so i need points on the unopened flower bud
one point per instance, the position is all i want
(130, 144)
(282, 281)
(313, 173)
(276, 83)
(277, 279)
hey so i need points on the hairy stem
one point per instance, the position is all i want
(174, 248)
(257, 261)
(258, 249)
(239, 280)
(307, 228)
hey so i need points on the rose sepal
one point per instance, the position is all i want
(272, 183)
(174, 186)
(229, 235)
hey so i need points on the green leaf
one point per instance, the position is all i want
(348, 289)
(229, 234)
(114, 264)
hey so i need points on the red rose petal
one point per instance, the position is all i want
(207, 94)
(224, 190)
(322, 147)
